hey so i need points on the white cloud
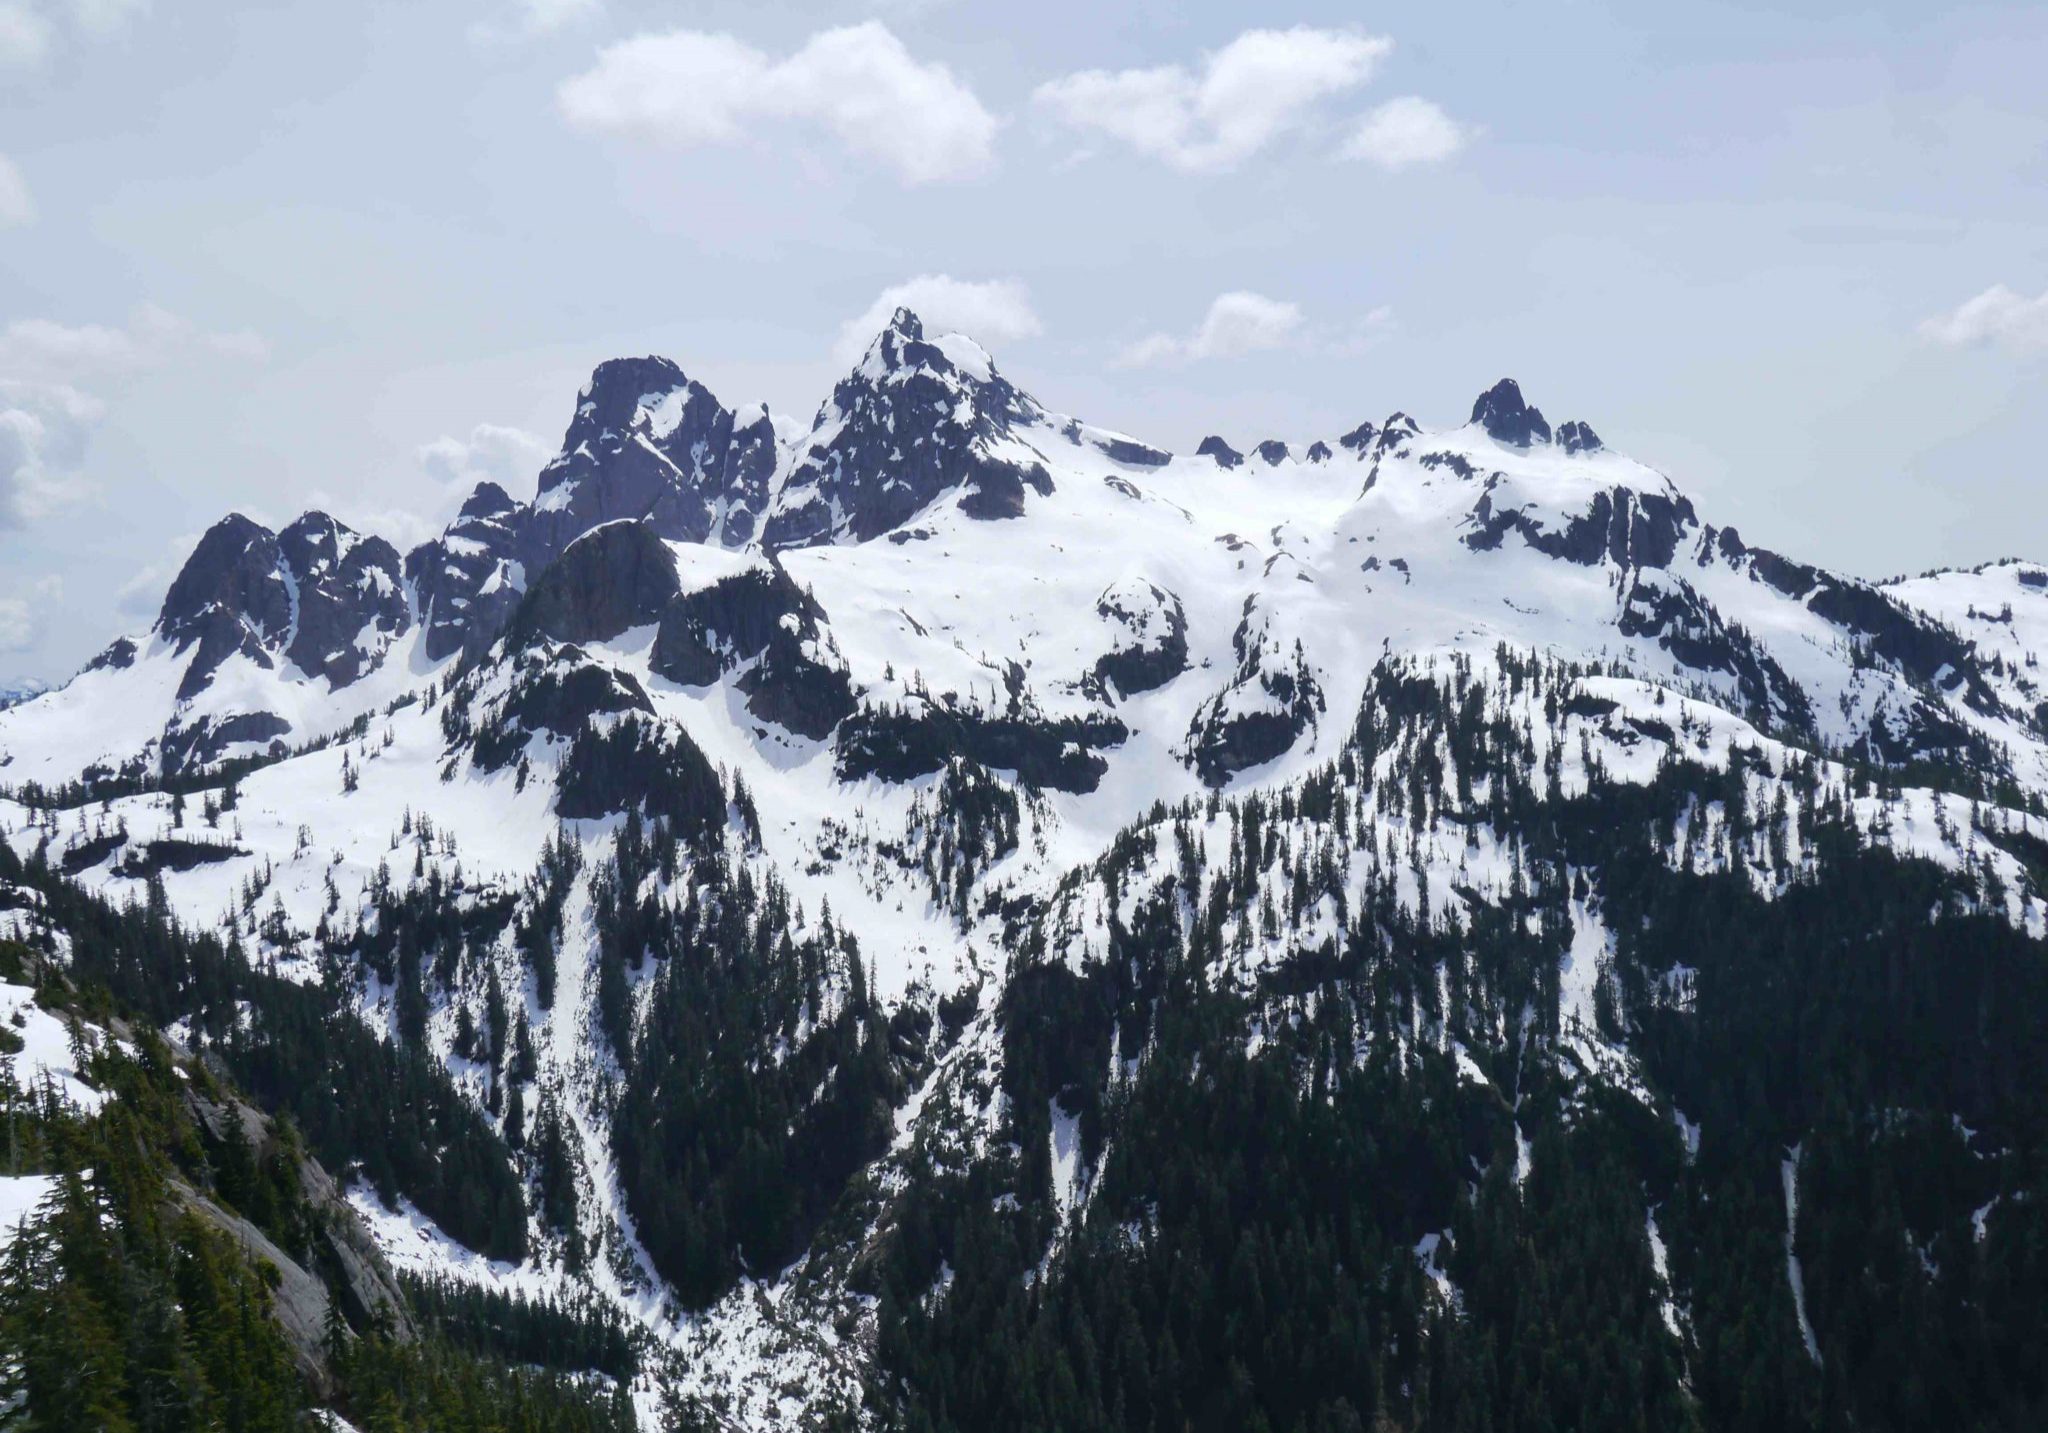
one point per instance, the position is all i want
(544, 16)
(24, 35)
(47, 411)
(21, 618)
(141, 597)
(28, 31)
(44, 429)
(509, 457)
(858, 83)
(106, 17)
(1260, 86)
(1406, 131)
(42, 350)
(995, 311)
(529, 19)
(1237, 323)
(1998, 315)
(16, 207)
(19, 625)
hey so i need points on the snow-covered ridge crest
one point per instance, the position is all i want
(927, 475)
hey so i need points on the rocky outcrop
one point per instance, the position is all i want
(1620, 525)
(343, 1264)
(1150, 638)
(1131, 453)
(1396, 433)
(760, 624)
(1664, 608)
(614, 577)
(1271, 702)
(186, 745)
(553, 692)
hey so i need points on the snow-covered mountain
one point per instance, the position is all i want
(951, 687)
(21, 691)
(926, 467)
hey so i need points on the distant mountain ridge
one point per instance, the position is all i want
(922, 426)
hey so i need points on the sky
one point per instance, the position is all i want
(282, 255)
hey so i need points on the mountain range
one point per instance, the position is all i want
(962, 918)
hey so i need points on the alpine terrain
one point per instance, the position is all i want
(954, 918)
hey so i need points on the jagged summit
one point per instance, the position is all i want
(902, 349)
(1507, 419)
(915, 419)
(648, 441)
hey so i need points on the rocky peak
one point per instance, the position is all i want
(1577, 437)
(1214, 447)
(469, 580)
(1359, 439)
(1273, 452)
(1398, 429)
(916, 419)
(348, 598)
(611, 405)
(901, 354)
(486, 500)
(319, 596)
(228, 584)
(1507, 419)
(646, 441)
(314, 542)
